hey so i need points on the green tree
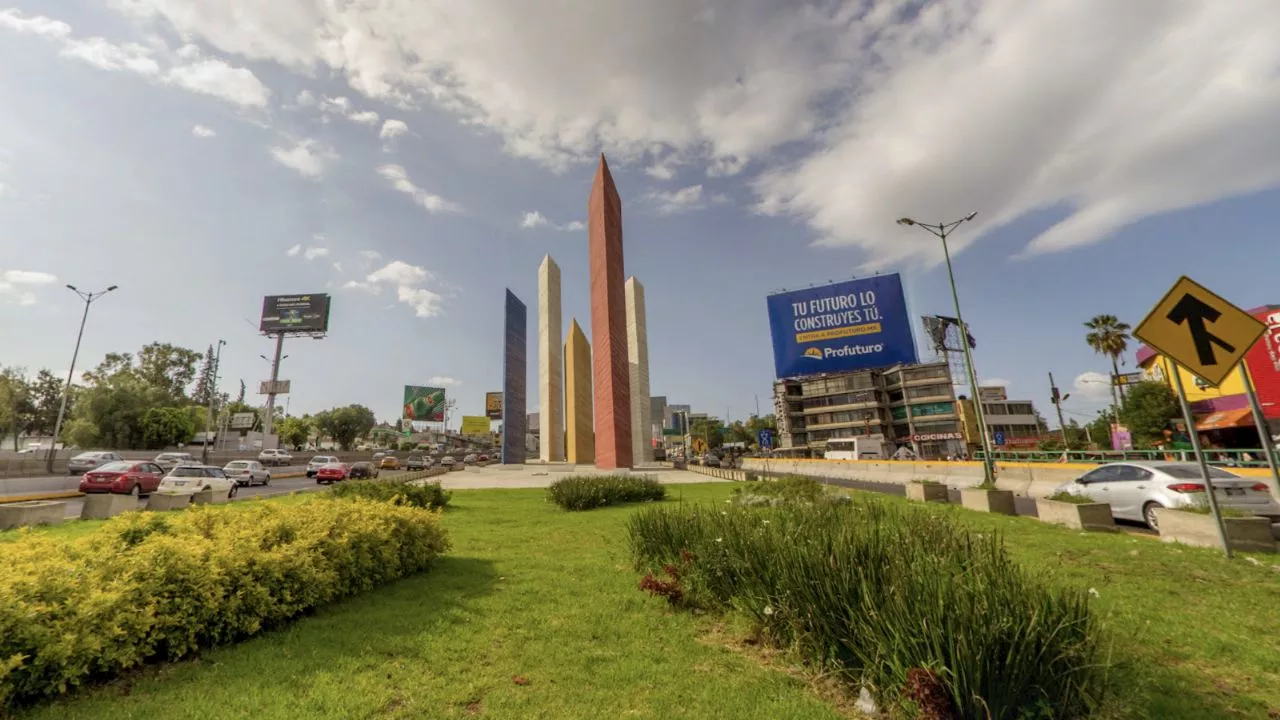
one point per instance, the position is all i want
(168, 367)
(115, 407)
(709, 430)
(346, 424)
(1100, 429)
(1147, 410)
(294, 432)
(166, 426)
(240, 397)
(17, 410)
(112, 364)
(46, 395)
(1108, 336)
(202, 394)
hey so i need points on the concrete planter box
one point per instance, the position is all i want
(31, 512)
(990, 501)
(1243, 534)
(168, 501)
(209, 497)
(927, 492)
(101, 507)
(1078, 516)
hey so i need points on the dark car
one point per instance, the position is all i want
(362, 471)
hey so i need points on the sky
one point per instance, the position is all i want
(413, 158)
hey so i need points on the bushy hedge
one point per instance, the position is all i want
(930, 617)
(787, 489)
(147, 586)
(592, 491)
(427, 495)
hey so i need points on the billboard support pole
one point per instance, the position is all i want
(1260, 422)
(269, 425)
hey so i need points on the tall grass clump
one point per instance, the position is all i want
(788, 489)
(929, 617)
(593, 491)
(427, 495)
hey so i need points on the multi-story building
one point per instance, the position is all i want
(911, 406)
(1011, 424)
(658, 412)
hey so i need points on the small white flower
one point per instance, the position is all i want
(1094, 593)
(768, 610)
(1253, 560)
(722, 512)
(719, 539)
(766, 522)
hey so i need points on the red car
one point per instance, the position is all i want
(125, 477)
(332, 472)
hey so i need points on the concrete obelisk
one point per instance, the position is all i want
(514, 378)
(638, 365)
(608, 324)
(550, 364)
(580, 439)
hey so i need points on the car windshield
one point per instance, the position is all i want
(86, 456)
(115, 467)
(237, 465)
(187, 471)
(332, 466)
(1189, 471)
(322, 459)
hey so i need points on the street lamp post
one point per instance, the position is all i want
(941, 230)
(88, 298)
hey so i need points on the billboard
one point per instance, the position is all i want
(475, 425)
(243, 421)
(493, 405)
(295, 313)
(424, 404)
(992, 393)
(851, 325)
(514, 377)
(279, 387)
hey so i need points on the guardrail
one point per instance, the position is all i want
(1226, 458)
(722, 473)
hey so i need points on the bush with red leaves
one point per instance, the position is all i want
(925, 689)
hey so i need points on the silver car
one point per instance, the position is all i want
(1135, 489)
(86, 461)
(247, 472)
(171, 460)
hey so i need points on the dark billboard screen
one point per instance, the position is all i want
(295, 313)
(514, 372)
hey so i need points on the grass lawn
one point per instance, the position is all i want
(535, 614)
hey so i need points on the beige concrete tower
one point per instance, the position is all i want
(638, 362)
(579, 434)
(550, 364)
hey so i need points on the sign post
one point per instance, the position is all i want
(1208, 337)
(765, 438)
(1264, 430)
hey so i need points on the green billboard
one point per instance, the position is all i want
(423, 404)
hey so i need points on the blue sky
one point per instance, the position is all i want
(202, 154)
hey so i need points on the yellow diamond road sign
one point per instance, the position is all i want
(1200, 331)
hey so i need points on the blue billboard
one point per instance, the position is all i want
(851, 325)
(514, 376)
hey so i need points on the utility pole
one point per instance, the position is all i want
(213, 394)
(1057, 400)
(269, 424)
(88, 298)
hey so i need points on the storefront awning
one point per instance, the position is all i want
(1226, 419)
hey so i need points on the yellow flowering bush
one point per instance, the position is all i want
(157, 587)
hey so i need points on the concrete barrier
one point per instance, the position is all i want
(990, 501)
(168, 501)
(101, 506)
(33, 512)
(209, 497)
(721, 473)
(1077, 516)
(1243, 534)
(927, 492)
(1021, 478)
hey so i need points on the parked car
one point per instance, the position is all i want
(1135, 489)
(319, 461)
(247, 472)
(417, 462)
(125, 477)
(86, 461)
(171, 460)
(275, 457)
(191, 479)
(332, 472)
(362, 470)
(710, 460)
(470, 459)
(448, 462)
(389, 462)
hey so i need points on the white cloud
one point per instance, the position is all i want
(662, 170)
(311, 253)
(215, 77)
(392, 129)
(1094, 387)
(407, 280)
(305, 98)
(203, 131)
(293, 251)
(399, 180)
(27, 277)
(38, 25)
(306, 156)
(1109, 112)
(367, 117)
(370, 254)
(337, 266)
(676, 201)
(443, 381)
(535, 219)
(108, 56)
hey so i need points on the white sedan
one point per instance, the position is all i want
(247, 472)
(191, 479)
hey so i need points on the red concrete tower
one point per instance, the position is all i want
(610, 369)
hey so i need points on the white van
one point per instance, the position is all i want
(855, 448)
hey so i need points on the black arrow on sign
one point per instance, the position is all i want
(1195, 313)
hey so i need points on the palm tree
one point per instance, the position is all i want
(1108, 336)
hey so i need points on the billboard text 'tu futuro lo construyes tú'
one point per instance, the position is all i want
(852, 325)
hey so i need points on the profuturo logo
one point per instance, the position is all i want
(813, 353)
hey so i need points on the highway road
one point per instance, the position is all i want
(63, 483)
(281, 486)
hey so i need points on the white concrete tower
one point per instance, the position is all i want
(550, 364)
(638, 360)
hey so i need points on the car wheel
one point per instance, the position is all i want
(136, 492)
(1149, 515)
(232, 491)
(266, 481)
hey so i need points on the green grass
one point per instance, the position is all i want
(532, 591)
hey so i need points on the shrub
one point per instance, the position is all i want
(790, 489)
(1064, 496)
(1199, 504)
(593, 491)
(907, 603)
(146, 587)
(426, 495)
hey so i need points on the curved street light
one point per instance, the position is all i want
(88, 298)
